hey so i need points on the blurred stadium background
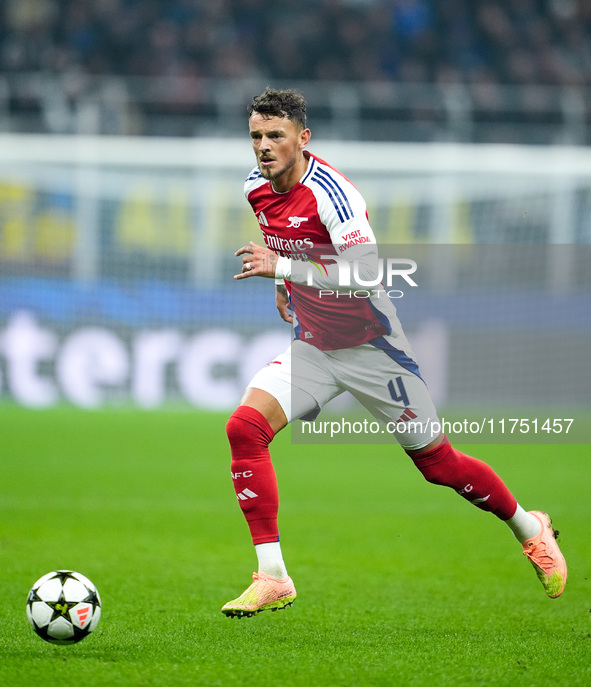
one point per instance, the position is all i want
(123, 150)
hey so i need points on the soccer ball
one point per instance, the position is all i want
(63, 607)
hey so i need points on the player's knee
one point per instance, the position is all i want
(247, 427)
(436, 474)
(439, 466)
(239, 430)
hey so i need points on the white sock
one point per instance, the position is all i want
(524, 525)
(271, 560)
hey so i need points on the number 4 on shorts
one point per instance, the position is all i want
(397, 391)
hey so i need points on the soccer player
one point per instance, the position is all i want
(305, 208)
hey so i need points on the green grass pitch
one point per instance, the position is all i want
(399, 582)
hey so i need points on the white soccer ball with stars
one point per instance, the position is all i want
(63, 607)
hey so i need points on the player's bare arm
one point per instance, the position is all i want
(283, 305)
(257, 261)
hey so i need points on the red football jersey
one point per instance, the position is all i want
(323, 214)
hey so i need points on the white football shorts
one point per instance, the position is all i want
(382, 375)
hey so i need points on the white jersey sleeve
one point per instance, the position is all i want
(342, 210)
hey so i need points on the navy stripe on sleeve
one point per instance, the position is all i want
(333, 183)
(337, 205)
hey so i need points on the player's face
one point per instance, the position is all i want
(278, 145)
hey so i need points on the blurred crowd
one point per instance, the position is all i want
(438, 41)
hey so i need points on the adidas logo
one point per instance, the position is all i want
(263, 219)
(481, 500)
(407, 416)
(83, 614)
(246, 494)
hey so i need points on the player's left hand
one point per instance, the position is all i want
(257, 261)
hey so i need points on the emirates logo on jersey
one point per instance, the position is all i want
(296, 222)
(292, 248)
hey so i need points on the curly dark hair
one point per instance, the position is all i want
(280, 103)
